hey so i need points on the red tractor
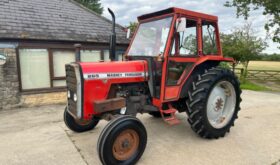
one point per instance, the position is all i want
(172, 65)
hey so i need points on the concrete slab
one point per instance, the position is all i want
(255, 138)
(38, 136)
(34, 137)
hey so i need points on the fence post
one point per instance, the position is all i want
(241, 73)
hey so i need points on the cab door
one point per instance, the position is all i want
(181, 59)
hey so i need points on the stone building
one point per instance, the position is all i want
(37, 37)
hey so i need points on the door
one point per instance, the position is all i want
(181, 59)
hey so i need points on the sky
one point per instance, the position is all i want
(127, 11)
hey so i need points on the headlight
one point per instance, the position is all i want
(75, 97)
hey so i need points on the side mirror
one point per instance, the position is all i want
(181, 24)
(3, 58)
(128, 31)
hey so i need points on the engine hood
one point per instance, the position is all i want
(136, 70)
(97, 79)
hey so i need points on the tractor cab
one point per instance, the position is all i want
(173, 42)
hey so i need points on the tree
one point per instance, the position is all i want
(93, 5)
(242, 45)
(132, 26)
(271, 9)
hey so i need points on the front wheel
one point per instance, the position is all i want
(122, 141)
(213, 102)
(79, 125)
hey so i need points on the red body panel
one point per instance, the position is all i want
(97, 88)
(172, 93)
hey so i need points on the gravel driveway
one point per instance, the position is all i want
(39, 136)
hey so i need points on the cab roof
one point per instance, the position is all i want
(174, 10)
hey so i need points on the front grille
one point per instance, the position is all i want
(71, 82)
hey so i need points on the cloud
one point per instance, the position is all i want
(127, 11)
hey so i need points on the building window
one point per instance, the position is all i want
(34, 66)
(90, 55)
(60, 58)
(106, 55)
(43, 69)
(119, 55)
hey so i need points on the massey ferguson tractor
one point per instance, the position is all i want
(171, 66)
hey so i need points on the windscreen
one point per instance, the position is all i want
(151, 38)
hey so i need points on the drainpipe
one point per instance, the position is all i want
(78, 52)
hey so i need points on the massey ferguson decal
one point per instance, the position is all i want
(93, 76)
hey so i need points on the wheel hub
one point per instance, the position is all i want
(125, 145)
(221, 104)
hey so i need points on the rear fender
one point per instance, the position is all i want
(200, 66)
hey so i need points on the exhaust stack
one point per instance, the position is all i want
(113, 37)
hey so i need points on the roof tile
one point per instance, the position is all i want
(54, 20)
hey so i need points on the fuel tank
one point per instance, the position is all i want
(97, 79)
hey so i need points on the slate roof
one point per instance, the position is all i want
(63, 20)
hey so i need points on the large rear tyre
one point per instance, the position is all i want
(79, 125)
(122, 141)
(213, 102)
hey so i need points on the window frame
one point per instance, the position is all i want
(19, 69)
(197, 42)
(51, 65)
(216, 37)
(50, 48)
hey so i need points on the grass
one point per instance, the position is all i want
(251, 86)
(262, 65)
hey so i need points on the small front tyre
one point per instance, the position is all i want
(79, 125)
(122, 141)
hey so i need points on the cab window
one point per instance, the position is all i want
(209, 38)
(185, 43)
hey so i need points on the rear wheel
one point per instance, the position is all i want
(122, 141)
(79, 125)
(213, 102)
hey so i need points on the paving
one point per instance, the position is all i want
(38, 136)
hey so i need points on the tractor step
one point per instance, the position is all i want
(169, 111)
(172, 119)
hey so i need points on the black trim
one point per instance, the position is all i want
(155, 14)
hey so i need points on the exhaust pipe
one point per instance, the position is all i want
(113, 37)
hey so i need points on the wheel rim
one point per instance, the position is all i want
(221, 104)
(126, 145)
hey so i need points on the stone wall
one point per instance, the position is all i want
(9, 83)
(43, 99)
